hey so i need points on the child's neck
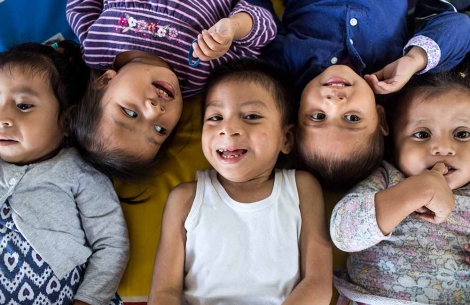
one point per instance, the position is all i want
(249, 191)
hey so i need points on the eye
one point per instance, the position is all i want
(463, 134)
(318, 116)
(129, 113)
(23, 106)
(352, 118)
(160, 130)
(252, 117)
(421, 135)
(214, 118)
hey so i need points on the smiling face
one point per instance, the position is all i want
(435, 130)
(29, 130)
(242, 133)
(338, 113)
(141, 107)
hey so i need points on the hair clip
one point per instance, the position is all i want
(463, 75)
(54, 45)
(191, 61)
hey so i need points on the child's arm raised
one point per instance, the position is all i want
(168, 272)
(316, 258)
(444, 40)
(249, 26)
(81, 15)
(427, 194)
(372, 209)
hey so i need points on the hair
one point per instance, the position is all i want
(425, 86)
(115, 163)
(339, 173)
(259, 72)
(62, 67)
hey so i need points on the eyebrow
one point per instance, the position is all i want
(355, 129)
(125, 126)
(218, 104)
(26, 90)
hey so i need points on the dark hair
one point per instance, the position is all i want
(115, 163)
(262, 73)
(62, 67)
(339, 173)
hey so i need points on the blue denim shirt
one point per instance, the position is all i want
(314, 34)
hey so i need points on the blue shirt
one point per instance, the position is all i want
(314, 34)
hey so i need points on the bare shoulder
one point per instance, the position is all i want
(180, 200)
(306, 182)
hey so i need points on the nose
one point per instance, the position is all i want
(230, 128)
(155, 107)
(335, 96)
(442, 147)
(5, 118)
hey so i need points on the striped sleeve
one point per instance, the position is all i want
(81, 14)
(264, 28)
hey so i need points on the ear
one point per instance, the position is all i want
(382, 120)
(288, 144)
(104, 79)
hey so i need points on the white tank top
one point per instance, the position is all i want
(239, 253)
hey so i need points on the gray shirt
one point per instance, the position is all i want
(70, 214)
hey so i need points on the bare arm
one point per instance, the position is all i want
(168, 272)
(427, 194)
(316, 258)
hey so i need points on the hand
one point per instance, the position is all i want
(216, 41)
(466, 248)
(395, 75)
(441, 200)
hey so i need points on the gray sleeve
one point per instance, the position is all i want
(106, 233)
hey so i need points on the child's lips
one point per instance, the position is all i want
(6, 142)
(336, 82)
(164, 90)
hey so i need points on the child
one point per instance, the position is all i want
(328, 45)
(408, 227)
(144, 47)
(244, 233)
(63, 237)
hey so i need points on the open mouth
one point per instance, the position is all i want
(336, 82)
(231, 154)
(164, 90)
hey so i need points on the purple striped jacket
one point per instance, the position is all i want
(165, 28)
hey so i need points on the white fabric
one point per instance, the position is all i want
(239, 253)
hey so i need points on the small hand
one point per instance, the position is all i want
(466, 248)
(396, 74)
(215, 42)
(441, 200)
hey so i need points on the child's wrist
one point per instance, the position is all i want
(419, 58)
(242, 23)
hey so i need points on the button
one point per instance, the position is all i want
(351, 41)
(12, 181)
(17, 174)
(353, 21)
(334, 60)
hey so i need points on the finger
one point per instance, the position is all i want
(423, 210)
(221, 39)
(431, 218)
(198, 53)
(441, 168)
(210, 42)
(379, 74)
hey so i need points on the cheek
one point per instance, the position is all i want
(411, 159)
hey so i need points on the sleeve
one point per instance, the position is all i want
(353, 224)
(106, 233)
(264, 27)
(81, 14)
(446, 39)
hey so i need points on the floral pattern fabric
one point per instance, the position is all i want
(418, 263)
